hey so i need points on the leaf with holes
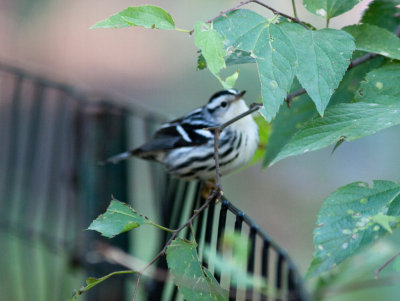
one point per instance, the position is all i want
(211, 44)
(118, 218)
(351, 219)
(345, 121)
(147, 16)
(319, 59)
(381, 85)
(329, 8)
(193, 281)
(375, 39)
(290, 121)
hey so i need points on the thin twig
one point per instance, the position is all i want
(273, 10)
(216, 194)
(118, 256)
(356, 286)
(217, 131)
(224, 12)
(384, 265)
(354, 63)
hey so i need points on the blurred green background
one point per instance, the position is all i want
(157, 69)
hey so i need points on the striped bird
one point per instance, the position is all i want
(186, 147)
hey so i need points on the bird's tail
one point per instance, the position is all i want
(119, 157)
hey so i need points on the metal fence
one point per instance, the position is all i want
(51, 188)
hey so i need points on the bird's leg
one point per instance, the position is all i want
(208, 187)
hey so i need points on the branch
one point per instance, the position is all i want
(352, 287)
(217, 131)
(354, 63)
(273, 10)
(216, 194)
(378, 270)
(117, 256)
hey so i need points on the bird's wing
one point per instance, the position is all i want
(189, 130)
(176, 135)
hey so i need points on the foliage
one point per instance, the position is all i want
(351, 218)
(91, 282)
(342, 100)
(194, 281)
(118, 218)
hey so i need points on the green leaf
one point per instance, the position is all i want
(91, 282)
(330, 52)
(289, 121)
(286, 124)
(281, 51)
(383, 14)
(264, 129)
(352, 79)
(118, 218)
(343, 121)
(211, 44)
(347, 222)
(385, 220)
(375, 39)
(194, 282)
(147, 16)
(248, 34)
(329, 8)
(381, 85)
(355, 270)
(230, 81)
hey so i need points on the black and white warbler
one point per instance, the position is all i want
(186, 146)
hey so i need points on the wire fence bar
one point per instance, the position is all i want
(52, 137)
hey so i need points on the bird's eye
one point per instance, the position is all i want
(224, 104)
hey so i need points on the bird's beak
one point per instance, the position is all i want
(239, 96)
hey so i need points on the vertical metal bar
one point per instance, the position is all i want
(238, 230)
(220, 233)
(265, 265)
(55, 184)
(7, 191)
(32, 147)
(209, 226)
(292, 294)
(279, 272)
(199, 199)
(250, 263)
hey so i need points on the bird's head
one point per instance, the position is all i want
(225, 105)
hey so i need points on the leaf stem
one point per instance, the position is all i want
(161, 227)
(327, 22)
(294, 9)
(182, 30)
